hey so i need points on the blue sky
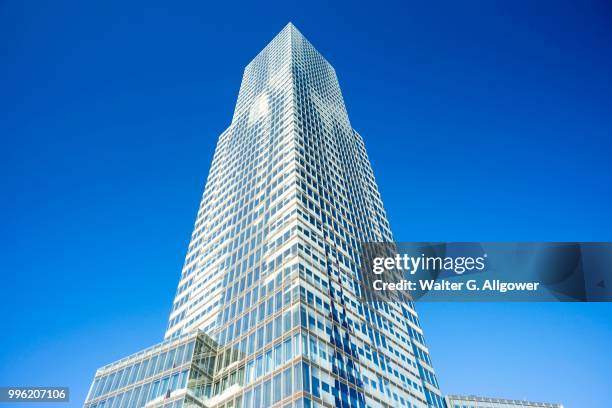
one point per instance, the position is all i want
(484, 121)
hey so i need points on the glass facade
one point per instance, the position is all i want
(157, 376)
(470, 401)
(271, 271)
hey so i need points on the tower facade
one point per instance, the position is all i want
(274, 252)
(270, 280)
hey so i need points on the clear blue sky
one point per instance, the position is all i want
(485, 121)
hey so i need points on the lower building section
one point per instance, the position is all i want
(471, 401)
(160, 376)
(192, 370)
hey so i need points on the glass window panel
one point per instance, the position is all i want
(188, 352)
(154, 390)
(160, 363)
(170, 359)
(297, 375)
(278, 355)
(143, 369)
(179, 355)
(152, 365)
(183, 382)
(126, 399)
(306, 377)
(163, 387)
(257, 397)
(100, 387)
(315, 383)
(248, 375)
(277, 388)
(112, 386)
(278, 328)
(251, 344)
(134, 374)
(248, 399)
(144, 395)
(296, 345)
(258, 366)
(174, 381)
(260, 338)
(287, 383)
(268, 362)
(94, 387)
(267, 393)
(118, 401)
(269, 332)
(126, 376)
(117, 380)
(135, 397)
(288, 350)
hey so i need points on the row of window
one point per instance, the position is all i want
(138, 371)
(138, 396)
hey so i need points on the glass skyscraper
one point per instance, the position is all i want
(267, 311)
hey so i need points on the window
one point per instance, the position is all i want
(258, 366)
(257, 397)
(268, 361)
(278, 355)
(288, 350)
(134, 374)
(152, 365)
(267, 393)
(325, 386)
(154, 390)
(188, 352)
(144, 395)
(277, 387)
(287, 383)
(160, 363)
(143, 370)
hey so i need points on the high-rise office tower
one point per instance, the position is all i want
(268, 295)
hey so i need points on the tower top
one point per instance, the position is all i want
(287, 55)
